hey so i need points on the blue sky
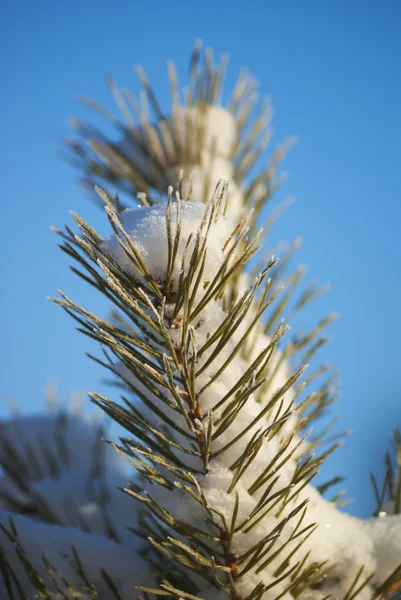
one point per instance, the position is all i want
(332, 69)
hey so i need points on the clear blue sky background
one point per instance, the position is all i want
(332, 69)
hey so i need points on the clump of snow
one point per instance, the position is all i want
(212, 126)
(123, 564)
(386, 536)
(206, 136)
(199, 181)
(58, 466)
(59, 458)
(200, 184)
(216, 124)
(147, 228)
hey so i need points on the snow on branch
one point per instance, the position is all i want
(217, 397)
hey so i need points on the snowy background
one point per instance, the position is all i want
(332, 71)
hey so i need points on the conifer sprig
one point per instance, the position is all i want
(168, 374)
(219, 384)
